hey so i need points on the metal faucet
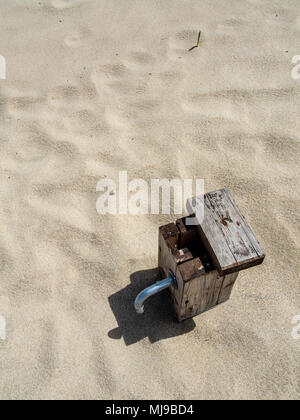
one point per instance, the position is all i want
(153, 290)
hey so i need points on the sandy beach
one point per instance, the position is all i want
(95, 87)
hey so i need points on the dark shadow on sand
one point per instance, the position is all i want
(157, 323)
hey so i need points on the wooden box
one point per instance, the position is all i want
(207, 258)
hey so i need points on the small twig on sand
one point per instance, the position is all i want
(198, 42)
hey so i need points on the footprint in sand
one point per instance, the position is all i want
(81, 122)
(31, 145)
(63, 95)
(140, 60)
(134, 89)
(76, 38)
(22, 106)
(108, 76)
(116, 84)
(230, 27)
(180, 43)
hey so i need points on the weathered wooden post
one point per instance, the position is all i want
(202, 262)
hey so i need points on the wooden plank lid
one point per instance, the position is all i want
(225, 233)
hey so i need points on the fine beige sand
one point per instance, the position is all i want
(94, 87)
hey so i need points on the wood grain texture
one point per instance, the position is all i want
(226, 234)
(227, 286)
(171, 259)
(204, 293)
(187, 235)
(200, 286)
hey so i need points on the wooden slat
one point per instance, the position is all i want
(226, 234)
(204, 293)
(191, 269)
(227, 287)
(214, 298)
(246, 227)
(168, 236)
(186, 236)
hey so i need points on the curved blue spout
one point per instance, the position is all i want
(153, 290)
